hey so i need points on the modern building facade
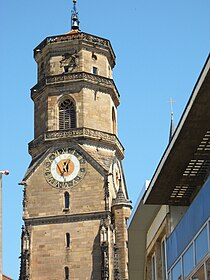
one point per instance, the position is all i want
(169, 231)
(75, 204)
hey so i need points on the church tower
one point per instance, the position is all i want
(75, 204)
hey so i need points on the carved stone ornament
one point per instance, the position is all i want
(69, 62)
(67, 218)
(104, 250)
(25, 255)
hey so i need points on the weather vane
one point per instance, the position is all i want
(74, 17)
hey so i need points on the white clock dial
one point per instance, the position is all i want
(64, 168)
(116, 175)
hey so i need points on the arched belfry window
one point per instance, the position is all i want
(66, 271)
(66, 200)
(67, 114)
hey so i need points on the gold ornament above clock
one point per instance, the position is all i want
(64, 168)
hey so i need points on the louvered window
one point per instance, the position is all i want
(67, 115)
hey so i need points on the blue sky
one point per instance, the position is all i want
(161, 47)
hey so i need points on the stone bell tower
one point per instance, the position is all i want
(75, 204)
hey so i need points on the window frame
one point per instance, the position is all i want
(67, 117)
(95, 70)
(153, 267)
(164, 258)
(203, 260)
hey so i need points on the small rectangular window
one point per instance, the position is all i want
(66, 69)
(95, 70)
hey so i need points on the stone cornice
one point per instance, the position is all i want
(81, 36)
(77, 134)
(100, 81)
(60, 219)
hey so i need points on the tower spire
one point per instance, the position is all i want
(74, 18)
(172, 127)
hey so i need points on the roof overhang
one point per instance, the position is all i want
(185, 165)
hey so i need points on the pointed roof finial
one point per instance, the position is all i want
(172, 127)
(74, 17)
(120, 197)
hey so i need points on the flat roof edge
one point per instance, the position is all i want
(188, 107)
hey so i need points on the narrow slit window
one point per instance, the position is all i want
(66, 269)
(66, 200)
(67, 115)
(113, 121)
(67, 240)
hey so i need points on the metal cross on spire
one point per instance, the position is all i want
(74, 17)
(172, 127)
(171, 104)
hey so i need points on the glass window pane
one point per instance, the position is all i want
(201, 245)
(176, 272)
(199, 275)
(188, 262)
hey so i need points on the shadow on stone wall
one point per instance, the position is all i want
(96, 257)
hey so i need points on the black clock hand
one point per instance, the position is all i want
(66, 166)
(58, 167)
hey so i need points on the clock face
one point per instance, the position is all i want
(116, 171)
(64, 168)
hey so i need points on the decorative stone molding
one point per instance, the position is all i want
(79, 76)
(67, 218)
(38, 140)
(104, 250)
(76, 36)
(106, 194)
(78, 133)
(116, 263)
